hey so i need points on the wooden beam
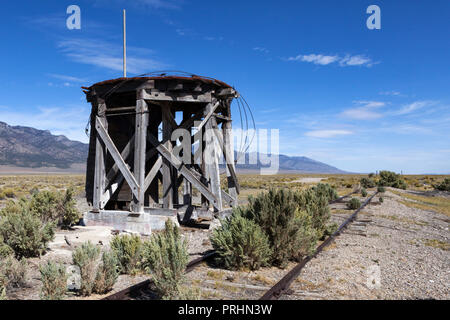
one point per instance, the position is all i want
(99, 176)
(233, 183)
(212, 161)
(141, 125)
(210, 110)
(125, 154)
(156, 95)
(153, 172)
(190, 176)
(166, 169)
(117, 157)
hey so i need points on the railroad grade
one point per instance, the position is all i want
(143, 290)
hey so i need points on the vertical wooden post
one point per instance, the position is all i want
(229, 154)
(166, 167)
(187, 186)
(100, 155)
(153, 192)
(139, 152)
(212, 161)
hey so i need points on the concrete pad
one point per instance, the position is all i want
(143, 223)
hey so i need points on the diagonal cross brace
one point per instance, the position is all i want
(117, 157)
(179, 165)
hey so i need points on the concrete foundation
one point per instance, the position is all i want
(142, 223)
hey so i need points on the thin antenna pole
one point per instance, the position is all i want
(124, 45)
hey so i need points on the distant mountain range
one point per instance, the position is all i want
(32, 148)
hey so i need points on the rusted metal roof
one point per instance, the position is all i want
(162, 77)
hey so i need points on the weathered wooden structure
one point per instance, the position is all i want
(134, 167)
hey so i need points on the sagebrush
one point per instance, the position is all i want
(24, 232)
(241, 243)
(128, 249)
(165, 257)
(107, 273)
(86, 258)
(54, 281)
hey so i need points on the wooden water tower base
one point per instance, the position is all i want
(136, 176)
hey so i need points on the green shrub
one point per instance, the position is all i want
(9, 193)
(24, 232)
(316, 206)
(364, 192)
(354, 204)
(444, 185)
(54, 281)
(324, 189)
(86, 258)
(53, 206)
(5, 250)
(290, 231)
(13, 272)
(371, 174)
(381, 189)
(381, 199)
(331, 228)
(240, 243)
(165, 257)
(128, 249)
(107, 273)
(391, 179)
(367, 183)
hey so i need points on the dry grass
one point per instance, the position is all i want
(405, 220)
(264, 279)
(16, 186)
(437, 244)
(435, 204)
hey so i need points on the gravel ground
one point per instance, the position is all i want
(385, 254)
(390, 262)
(382, 255)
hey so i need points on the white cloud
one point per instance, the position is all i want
(365, 111)
(413, 107)
(370, 104)
(391, 93)
(320, 59)
(357, 60)
(69, 120)
(261, 49)
(327, 133)
(66, 78)
(106, 55)
(361, 114)
(315, 58)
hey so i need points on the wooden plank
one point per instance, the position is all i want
(229, 199)
(190, 176)
(166, 169)
(153, 172)
(141, 125)
(212, 163)
(210, 110)
(117, 157)
(99, 176)
(152, 191)
(125, 154)
(233, 183)
(156, 95)
(187, 187)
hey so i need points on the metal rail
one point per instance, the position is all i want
(120, 295)
(283, 285)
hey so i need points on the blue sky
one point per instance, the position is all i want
(359, 99)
